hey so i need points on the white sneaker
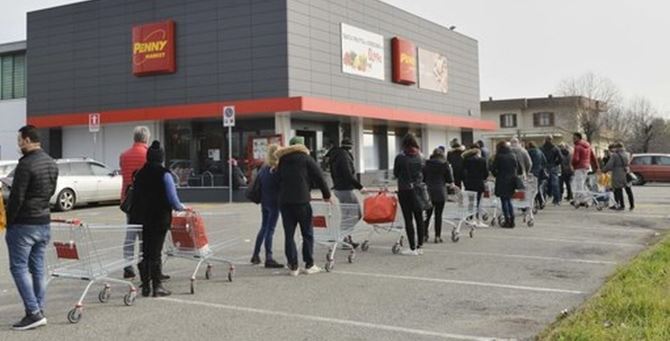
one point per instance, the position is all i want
(481, 224)
(311, 271)
(293, 273)
(409, 252)
(419, 251)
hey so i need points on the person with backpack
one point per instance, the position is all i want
(343, 173)
(554, 162)
(436, 175)
(267, 183)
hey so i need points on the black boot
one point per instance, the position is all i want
(128, 273)
(145, 278)
(511, 224)
(159, 290)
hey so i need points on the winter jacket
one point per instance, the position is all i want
(436, 175)
(583, 157)
(566, 164)
(130, 162)
(297, 171)
(539, 163)
(618, 165)
(504, 168)
(475, 171)
(455, 159)
(151, 205)
(342, 170)
(524, 159)
(408, 169)
(553, 155)
(269, 182)
(33, 185)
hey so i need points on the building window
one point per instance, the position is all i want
(508, 121)
(543, 119)
(13, 76)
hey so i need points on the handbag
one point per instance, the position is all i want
(380, 209)
(253, 192)
(518, 183)
(420, 192)
(127, 204)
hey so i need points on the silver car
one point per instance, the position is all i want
(83, 181)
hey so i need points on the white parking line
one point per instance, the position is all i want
(570, 241)
(457, 282)
(504, 255)
(330, 320)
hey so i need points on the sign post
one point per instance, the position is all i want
(229, 121)
(94, 125)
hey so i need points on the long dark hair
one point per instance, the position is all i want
(409, 141)
(501, 146)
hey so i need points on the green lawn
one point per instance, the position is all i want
(633, 305)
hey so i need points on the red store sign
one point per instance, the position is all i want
(154, 48)
(404, 61)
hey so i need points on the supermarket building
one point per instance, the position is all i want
(319, 69)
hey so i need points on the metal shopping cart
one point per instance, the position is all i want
(490, 206)
(333, 225)
(460, 210)
(599, 194)
(90, 253)
(523, 200)
(389, 221)
(189, 239)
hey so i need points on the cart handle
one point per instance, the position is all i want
(74, 221)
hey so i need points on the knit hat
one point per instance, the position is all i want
(296, 140)
(346, 143)
(155, 153)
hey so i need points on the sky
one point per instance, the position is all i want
(526, 47)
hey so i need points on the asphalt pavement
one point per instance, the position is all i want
(501, 284)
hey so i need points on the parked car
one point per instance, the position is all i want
(82, 181)
(651, 168)
(7, 167)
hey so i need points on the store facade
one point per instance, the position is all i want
(319, 69)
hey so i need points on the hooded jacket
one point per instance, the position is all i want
(342, 170)
(583, 157)
(504, 168)
(539, 163)
(297, 172)
(475, 171)
(436, 175)
(455, 159)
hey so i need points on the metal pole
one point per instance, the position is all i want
(230, 164)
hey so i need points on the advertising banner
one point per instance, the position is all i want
(362, 52)
(153, 48)
(433, 71)
(404, 61)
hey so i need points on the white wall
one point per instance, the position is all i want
(433, 137)
(13, 117)
(110, 142)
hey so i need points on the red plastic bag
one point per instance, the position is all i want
(380, 209)
(519, 195)
(188, 231)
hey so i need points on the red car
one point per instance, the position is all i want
(651, 168)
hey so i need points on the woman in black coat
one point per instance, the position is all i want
(504, 168)
(407, 168)
(475, 173)
(436, 174)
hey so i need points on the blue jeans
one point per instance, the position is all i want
(132, 234)
(554, 185)
(268, 224)
(27, 245)
(507, 208)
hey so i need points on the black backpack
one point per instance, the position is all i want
(253, 192)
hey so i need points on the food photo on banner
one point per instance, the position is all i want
(362, 52)
(433, 71)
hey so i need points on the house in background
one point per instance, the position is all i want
(532, 119)
(12, 96)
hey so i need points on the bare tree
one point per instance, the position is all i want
(600, 89)
(646, 126)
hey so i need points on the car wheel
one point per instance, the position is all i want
(640, 180)
(65, 200)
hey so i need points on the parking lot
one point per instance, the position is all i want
(502, 284)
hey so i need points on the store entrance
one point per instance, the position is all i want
(310, 140)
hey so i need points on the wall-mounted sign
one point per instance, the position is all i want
(229, 116)
(433, 71)
(362, 52)
(154, 48)
(94, 122)
(404, 61)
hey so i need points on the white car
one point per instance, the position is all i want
(83, 181)
(7, 167)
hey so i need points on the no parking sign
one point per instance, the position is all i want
(229, 116)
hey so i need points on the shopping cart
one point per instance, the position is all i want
(460, 210)
(188, 239)
(90, 253)
(598, 195)
(523, 200)
(391, 223)
(489, 206)
(333, 226)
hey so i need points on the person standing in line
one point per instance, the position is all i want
(29, 225)
(566, 171)
(539, 170)
(154, 199)
(505, 169)
(475, 173)
(408, 169)
(130, 162)
(522, 156)
(618, 164)
(436, 175)
(455, 159)
(554, 162)
(297, 171)
(343, 173)
(485, 153)
(583, 159)
(269, 184)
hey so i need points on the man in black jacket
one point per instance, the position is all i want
(297, 170)
(28, 225)
(344, 182)
(554, 161)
